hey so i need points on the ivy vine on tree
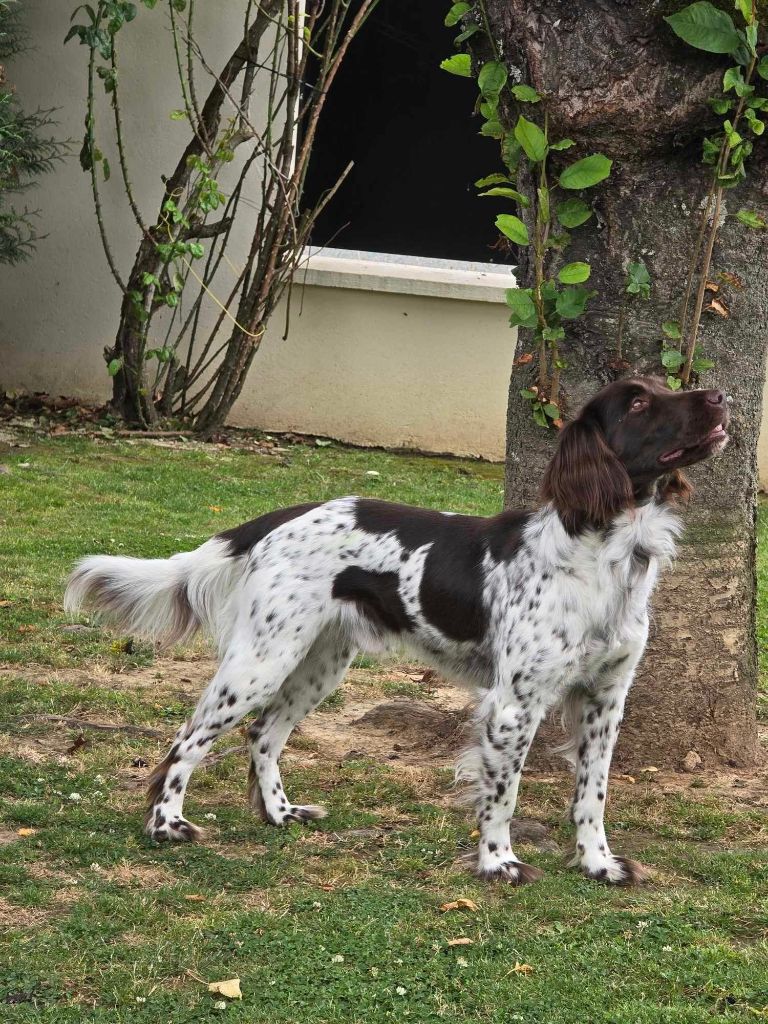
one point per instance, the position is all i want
(515, 115)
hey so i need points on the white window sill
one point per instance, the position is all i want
(405, 275)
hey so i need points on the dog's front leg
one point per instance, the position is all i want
(596, 718)
(507, 726)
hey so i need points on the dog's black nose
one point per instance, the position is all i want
(715, 397)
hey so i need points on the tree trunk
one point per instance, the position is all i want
(618, 81)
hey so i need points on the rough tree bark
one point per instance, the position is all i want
(620, 82)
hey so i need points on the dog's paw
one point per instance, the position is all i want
(306, 812)
(513, 872)
(179, 830)
(617, 871)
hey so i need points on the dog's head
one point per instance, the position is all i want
(631, 435)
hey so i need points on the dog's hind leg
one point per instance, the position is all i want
(263, 651)
(307, 686)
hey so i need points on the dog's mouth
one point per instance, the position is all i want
(714, 441)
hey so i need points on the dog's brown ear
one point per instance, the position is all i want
(676, 488)
(585, 481)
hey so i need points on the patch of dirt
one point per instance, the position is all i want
(416, 736)
(144, 875)
(21, 918)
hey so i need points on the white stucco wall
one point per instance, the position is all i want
(367, 367)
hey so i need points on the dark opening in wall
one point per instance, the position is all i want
(409, 129)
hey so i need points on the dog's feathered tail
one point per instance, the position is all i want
(162, 599)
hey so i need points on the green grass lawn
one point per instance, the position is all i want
(338, 921)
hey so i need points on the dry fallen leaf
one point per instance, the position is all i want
(627, 778)
(461, 942)
(229, 988)
(712, 287)
(521, 968)
(4, 604)
(474, 833)
(525, 358)
(459, 904)
(732, 279)
(25, 831)
(650, 770)
(716, 306)
(194, 897)
(26, 629)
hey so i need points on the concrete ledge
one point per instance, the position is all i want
(405, 275)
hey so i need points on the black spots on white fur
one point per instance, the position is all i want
(241, 539)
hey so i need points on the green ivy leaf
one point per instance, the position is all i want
(751, 219)
(672, 360)
(459, 64)
(543, 196)
(492, 78)
(551, 410)
(114, 366)
(573, 212)
(532, 396)
(638, 279)
(720, 104)
(587, 172)
(574, 273)
(507, 193)
(571, 302)
(672, 330)
(531, 138)
(674, 383)
(526, 94)
(553, 334)
(520, 301)
(700, 365)
(757, 126)
(491, 179)
(196, 250)
(513, 228)
(704, 26)
(492, 130)
(456, 13)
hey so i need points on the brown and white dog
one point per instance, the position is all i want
(532, 608)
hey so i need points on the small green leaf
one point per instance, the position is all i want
(539, 415)
(757, 126)
(532, 396)
(531, 138)
(553, 334)
(672, 330)
(638, 279)
(587, 172)
(731, 78)
(571, 302)
(543, 197)
(492, 78)
(507, 193)
(745, 6)
(491, 179)
(525, 94)
(196, 250)
(562, 144)
(751, 219)
(114, 366)
(492, 130)
(672, 360)
(700, 365)
(705, 27)
(456, 13)
(513, 228)
(459, 64)
(520, 301)
(472, 29)
(573, 212)
(720, 104)
(552, 411)
(574, 273)
(674, 382)
(711, 150)
(762, 67)
(178, 115)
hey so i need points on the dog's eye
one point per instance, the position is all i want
(638, 404)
